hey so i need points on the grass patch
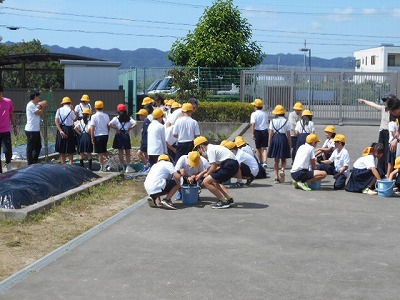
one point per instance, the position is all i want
(25, 241)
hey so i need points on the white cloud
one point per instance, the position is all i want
(396, 13)
(341, 14)
(369, 11)
(316, 26)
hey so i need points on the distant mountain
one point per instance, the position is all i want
(150, 57)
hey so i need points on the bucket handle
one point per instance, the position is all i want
(376, 186)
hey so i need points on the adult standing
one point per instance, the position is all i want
(34, 110)
(6, 117)
(383, 127)
(65, 139)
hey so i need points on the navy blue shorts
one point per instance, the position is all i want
(302, 175)
(261, 138)
(100, 143)
(169, 186)
(227, 170)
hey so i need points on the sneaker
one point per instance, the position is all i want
(296, 184)
(178, 196)
(129, 169)
(167, 204)
(8, 167)
(264, 165)
(304, 186)
(276, 181)
(369, 191)
(231, 202)
(151, 202)
(249, 181)
(145, 169)
(220, 204)
(281, 176)
(236, 185)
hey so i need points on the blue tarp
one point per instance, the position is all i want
(38, 182)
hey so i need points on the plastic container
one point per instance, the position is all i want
(316, 185)
(385, 187)
(190, 194)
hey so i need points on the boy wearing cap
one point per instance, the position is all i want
(162, 179)
(259, 128)
(156, 142)
(293, 118)
(223, 166)
(81, 106)
(338, 163)
(185, 130)
(142, 152)
(304, 169)
(122, 124)
(327, 148)
(178, 112)
(34, 110)
(65, 139)
(192, 167)
(99, 132)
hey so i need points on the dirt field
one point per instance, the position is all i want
(24, 242)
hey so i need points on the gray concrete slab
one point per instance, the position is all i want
(277, 243)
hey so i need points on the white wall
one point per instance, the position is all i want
(90, 75)
(381, 59)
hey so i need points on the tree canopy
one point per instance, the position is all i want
(222, 38)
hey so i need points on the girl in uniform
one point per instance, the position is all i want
(304, 127)
(327, 148)
(65, 139)
(279, 142)
(85, 145)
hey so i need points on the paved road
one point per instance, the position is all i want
(278, 243)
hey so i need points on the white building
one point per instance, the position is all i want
(385, 58)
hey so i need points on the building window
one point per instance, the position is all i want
(373, 60)
(358, 63)
(362, 61)
(391, 60)
(366, 60)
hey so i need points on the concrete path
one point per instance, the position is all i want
(277, 243)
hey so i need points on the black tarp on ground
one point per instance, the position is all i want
(38, 182)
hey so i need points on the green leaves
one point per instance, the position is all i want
(221, 39)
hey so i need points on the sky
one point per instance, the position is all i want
(329, 28)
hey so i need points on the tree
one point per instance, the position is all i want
(222, 38)
(37, 74)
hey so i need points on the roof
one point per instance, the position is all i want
(35, 57)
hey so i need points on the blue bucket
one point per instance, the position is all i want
(190, 194)
(316, 185)
(385, 187)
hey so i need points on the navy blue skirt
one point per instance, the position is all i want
(67, 145)
(279, 147)
(359, 180)
(122, 141)
(301, 140)
(85, 143)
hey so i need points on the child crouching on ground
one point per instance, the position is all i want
(162, 179)
(395, 176)
(304, 167)
(338, 163)
(365, 171)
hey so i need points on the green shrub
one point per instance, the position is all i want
(223, 112)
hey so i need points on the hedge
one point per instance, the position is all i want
(223, 112)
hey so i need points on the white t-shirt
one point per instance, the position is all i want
(81, 126)
(260, 119)
(302, 128)
(293, 118)
(182, 163)
(304, 154)
(186, 129)
(248, 160)
(385, 118)
(392, 127)
(100, 122)
(280, 124)
(247, 148)
(175, 115)
(365, 162)
(79, 109)
(65, 115)
(217, 154)
(32, 119)
(341, 159)
(169, 136)
(115, 121)
(156, 143)
(158, 175)
(329, 143)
